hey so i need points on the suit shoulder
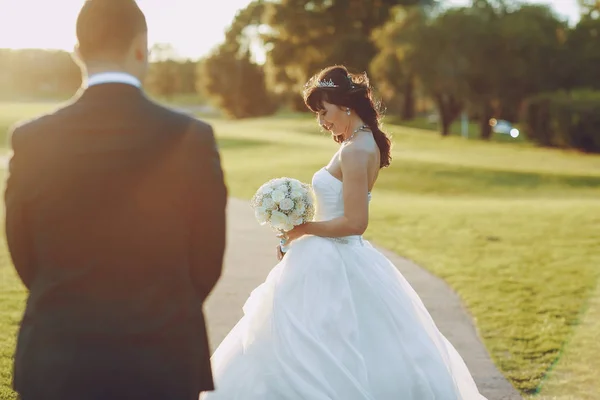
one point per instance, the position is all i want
(24, 129)
(28, 126)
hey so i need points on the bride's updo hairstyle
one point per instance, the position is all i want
(335, 85)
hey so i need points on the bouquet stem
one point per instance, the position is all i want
(282, 243)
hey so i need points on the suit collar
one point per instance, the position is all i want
(113, 77)
(109, 92)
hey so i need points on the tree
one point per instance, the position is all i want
(396, 79)
(163, 76)
(435, 58)
(534, 57)
(230, 78)
(305, 36)
(589, 8)
(487, 58)
(582, 55)
(38, 73)
(237, 85)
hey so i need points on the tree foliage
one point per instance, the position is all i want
(33, 73)
(395, 76)
(229, 76)
(485, 59)
(305, 36)
(168, 75)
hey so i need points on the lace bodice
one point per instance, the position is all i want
(329, 196)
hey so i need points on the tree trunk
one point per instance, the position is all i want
(408, 104)
(448, 109)
(484, 121)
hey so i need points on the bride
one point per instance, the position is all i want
(335, 319)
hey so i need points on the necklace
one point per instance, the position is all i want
(360, 128)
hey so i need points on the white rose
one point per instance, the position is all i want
(266, 189)
(300, 207)
(286, 204)
(277, 196)
(268, 203)
(277, 182)
(280, 221)
(297, 193)
(261, 214)
(283, 188)
(296, 219)
(295, 184)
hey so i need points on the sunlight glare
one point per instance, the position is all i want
(193, 27)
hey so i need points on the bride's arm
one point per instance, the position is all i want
(354, 163)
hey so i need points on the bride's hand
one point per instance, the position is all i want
(280, 253)
(296, 233)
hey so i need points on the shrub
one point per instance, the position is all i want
(237, 85)
(565, 119)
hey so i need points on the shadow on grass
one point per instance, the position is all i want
(223, 143)
(238, 143)
(423, 177)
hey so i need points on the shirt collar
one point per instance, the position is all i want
(113, 77)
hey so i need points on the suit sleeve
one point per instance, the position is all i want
(208, 216)
(17, 230)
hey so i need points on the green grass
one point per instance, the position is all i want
(512, 228)
(12, 302)
(575, 375)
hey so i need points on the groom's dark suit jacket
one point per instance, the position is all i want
(115, 221)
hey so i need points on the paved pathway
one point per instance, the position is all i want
(251, 255)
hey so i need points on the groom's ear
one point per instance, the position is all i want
(139, 55)
(142, 54)
(141, 47)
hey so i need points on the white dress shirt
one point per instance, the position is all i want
(113, 77)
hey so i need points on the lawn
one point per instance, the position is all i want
(512, 228)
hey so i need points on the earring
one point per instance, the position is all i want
(348, 111)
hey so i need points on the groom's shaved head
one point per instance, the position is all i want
(107, 28)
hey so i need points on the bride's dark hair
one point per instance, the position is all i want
(337, 86)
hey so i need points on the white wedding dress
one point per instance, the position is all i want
(335, 320)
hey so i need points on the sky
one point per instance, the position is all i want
(193, 27)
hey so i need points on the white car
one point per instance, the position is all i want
(503, 127)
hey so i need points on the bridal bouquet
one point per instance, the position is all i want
(283, 203)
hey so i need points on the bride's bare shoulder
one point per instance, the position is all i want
(362, 146)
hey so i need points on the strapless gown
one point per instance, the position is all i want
(336, 320)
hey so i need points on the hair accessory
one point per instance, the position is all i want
(327, 84)
(351, 82)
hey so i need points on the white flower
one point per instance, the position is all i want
(268, 203)
(297, 193)
(296, 219)
(280, 221)
(296, 185)
(286, 204)
(261, 214)
(277, 196)
(277, 182)
(283, 188)
(300, 207)
(266, 189)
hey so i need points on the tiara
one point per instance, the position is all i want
(327, 84)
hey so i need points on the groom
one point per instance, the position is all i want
(115, 221)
